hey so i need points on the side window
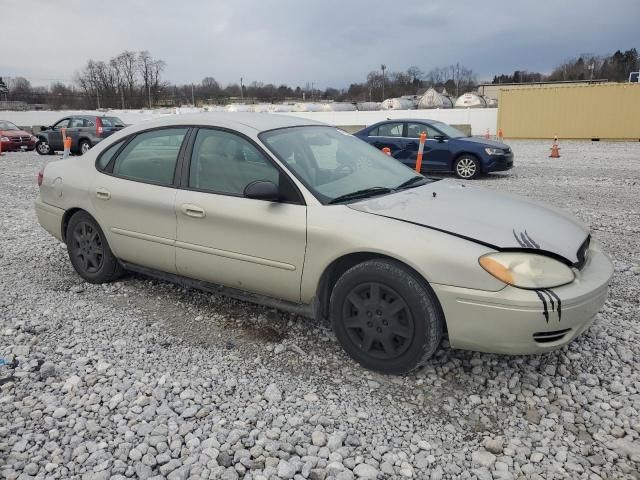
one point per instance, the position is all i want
(64, 123)
(76, 123)
(390, 130)
(414, 130)
(107, 155)
(151, 156)
(226, 163)
(373, 132)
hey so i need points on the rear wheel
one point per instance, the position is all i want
(84, 146)
(43, 148)
(89, 252)
(467, 167)
(386, 317)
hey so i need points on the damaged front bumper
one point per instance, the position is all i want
(518, 321)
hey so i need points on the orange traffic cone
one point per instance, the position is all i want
(555, 149)
(500, 134)
(386, 150)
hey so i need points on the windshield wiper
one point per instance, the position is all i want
(364, 193)
(412, 182)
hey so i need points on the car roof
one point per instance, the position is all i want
(240, 121)
(400, 120)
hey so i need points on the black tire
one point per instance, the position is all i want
(467, 167)
(89, 251)
(43, 148)
(380, 333)
(84, 146)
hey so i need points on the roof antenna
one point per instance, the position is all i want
(434, 194)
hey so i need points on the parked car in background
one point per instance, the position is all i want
(446, 149)
(12, 138)
(85, 132)
(304, 217)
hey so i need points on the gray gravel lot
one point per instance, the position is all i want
(143, 379)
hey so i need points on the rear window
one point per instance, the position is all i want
(111, 122)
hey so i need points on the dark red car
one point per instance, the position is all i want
(13, 139)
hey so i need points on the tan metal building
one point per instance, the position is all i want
(491, 91)
(600, 111)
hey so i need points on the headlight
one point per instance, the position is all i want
(527, 270)
(494, 151)
(34, 139)
(4, 139)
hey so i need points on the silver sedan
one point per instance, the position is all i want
(304, 217)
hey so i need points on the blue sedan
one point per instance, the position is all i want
(446, 148)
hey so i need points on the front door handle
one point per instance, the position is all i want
(193, 210)
(103, 194)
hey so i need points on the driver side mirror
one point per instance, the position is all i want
(262, 190)
(45, 128)
(440, 138)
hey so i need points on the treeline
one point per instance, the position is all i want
(614, 68)
(134, 80)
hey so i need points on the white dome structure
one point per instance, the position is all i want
(433, 99)
(398, 104)
(369, 106)
(471, 100)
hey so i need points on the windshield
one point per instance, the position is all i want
(7, 126)
(448, 130)
(112, 122)
(333, 163)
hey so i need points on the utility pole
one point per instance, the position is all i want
(241, 90)
(383, 67)
(149, 89)
(98, 97)
(122, 96)
(193, 99)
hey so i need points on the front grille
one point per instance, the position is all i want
(549, 337)
(582, 253)
(19, 139)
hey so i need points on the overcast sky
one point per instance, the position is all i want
(328, 42)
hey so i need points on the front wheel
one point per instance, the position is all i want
(385, 317)
(43, 148)
(89, 251)
(467, 167)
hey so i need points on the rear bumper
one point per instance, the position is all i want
(516, 321)
(499, 163)
(49, 218)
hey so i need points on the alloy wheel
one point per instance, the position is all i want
(466, 168)
(84, 148)
(43, 148)
(378, 321)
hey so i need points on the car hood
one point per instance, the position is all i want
(496, 219)
(482, 142)
(14, 133)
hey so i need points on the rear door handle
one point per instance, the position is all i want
(193, 210)
(103, 194)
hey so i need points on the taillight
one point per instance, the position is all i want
(40, 177)
(98, 126)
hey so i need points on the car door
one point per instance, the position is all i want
(228, 239)
(436, 152)
(389, 134)
(134, 197)
(74, 130)
(54, 135)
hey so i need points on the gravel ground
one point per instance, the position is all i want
(143, 379)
